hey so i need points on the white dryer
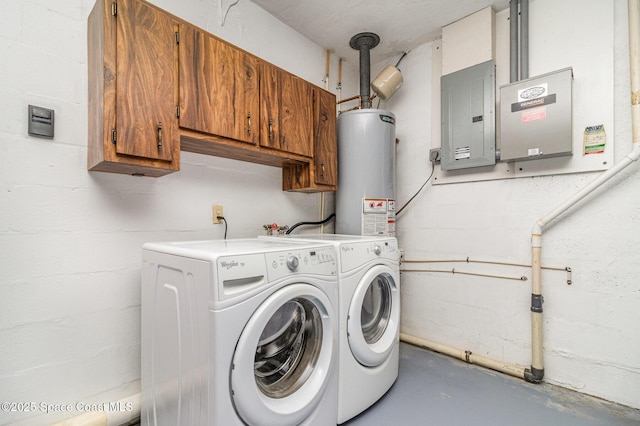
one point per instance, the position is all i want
(369, 315)
(239, 332)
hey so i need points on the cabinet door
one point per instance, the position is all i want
(218, 87)
(326, 147)
(146, 125)
(296, 115)
(286, 118)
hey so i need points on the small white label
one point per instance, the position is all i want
(461, 153)
(534, 151)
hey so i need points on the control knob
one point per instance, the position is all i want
(292, 262)
(377, 250)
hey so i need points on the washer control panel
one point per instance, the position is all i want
(315, 260)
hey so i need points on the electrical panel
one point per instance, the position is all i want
(468, 119)
(535, 117)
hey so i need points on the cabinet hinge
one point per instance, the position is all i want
(114, 9)
(177, 37)
(177, 111)
(114, 136)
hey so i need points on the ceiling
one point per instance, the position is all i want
(401, 24)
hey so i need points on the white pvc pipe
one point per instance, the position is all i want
(467, 356)
(125, 411)
(634, 52)
(536, 233)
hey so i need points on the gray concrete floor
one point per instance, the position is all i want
(433, 389)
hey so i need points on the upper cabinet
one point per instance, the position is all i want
(286, 111)
(322, 173)
(159, 85)
(219, 87)
(132, 89)
(326, 155)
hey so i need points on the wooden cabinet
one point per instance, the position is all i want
(159, 85)
(132, 55)
(219, 87)
(286, 111)
(326, 145)
(322, 173)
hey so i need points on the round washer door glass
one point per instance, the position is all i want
(288, 348)
(374, 315)
(284, 357)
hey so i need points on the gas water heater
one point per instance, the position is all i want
(365, 199)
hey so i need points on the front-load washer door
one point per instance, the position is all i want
(284, 357)
(374, 316)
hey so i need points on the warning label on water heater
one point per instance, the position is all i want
(378, 216)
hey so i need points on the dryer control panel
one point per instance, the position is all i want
(354, 255)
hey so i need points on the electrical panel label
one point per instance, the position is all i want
(461, 153)
(378, 216)
(594, 139)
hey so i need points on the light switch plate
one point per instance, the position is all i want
(41, 121)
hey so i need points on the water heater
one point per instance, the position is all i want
(365, 199)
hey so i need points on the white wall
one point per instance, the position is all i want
(70, 240)
(591, 339)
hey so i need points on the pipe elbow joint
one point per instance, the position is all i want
(533, 375)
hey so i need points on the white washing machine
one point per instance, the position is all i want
(239, 332)
(369, 315)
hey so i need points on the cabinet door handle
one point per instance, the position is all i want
(271, 129)
(322, 169)
(160, 135)
(249, 123)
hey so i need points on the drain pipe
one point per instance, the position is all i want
(536, 372)
(634, 53)
(467, 356)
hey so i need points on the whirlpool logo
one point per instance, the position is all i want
(229, 264)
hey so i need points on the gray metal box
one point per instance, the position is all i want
(468, 119)
(535, 117)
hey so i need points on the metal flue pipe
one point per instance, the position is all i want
(364, 42)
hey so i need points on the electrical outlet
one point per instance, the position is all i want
(217, 212)
(434, 155)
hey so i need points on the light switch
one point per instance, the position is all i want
(41, 121)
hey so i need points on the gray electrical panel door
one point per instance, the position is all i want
(468, 119)
(535, 117)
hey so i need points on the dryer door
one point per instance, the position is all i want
(374, 316)
(284, 357)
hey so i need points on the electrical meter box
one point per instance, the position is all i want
(468, 119)
(535, 117)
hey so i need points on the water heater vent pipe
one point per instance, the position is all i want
(364, 42)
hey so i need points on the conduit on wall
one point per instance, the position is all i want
(567, 269)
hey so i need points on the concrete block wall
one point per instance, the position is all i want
(591, 340)
(70, 240)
